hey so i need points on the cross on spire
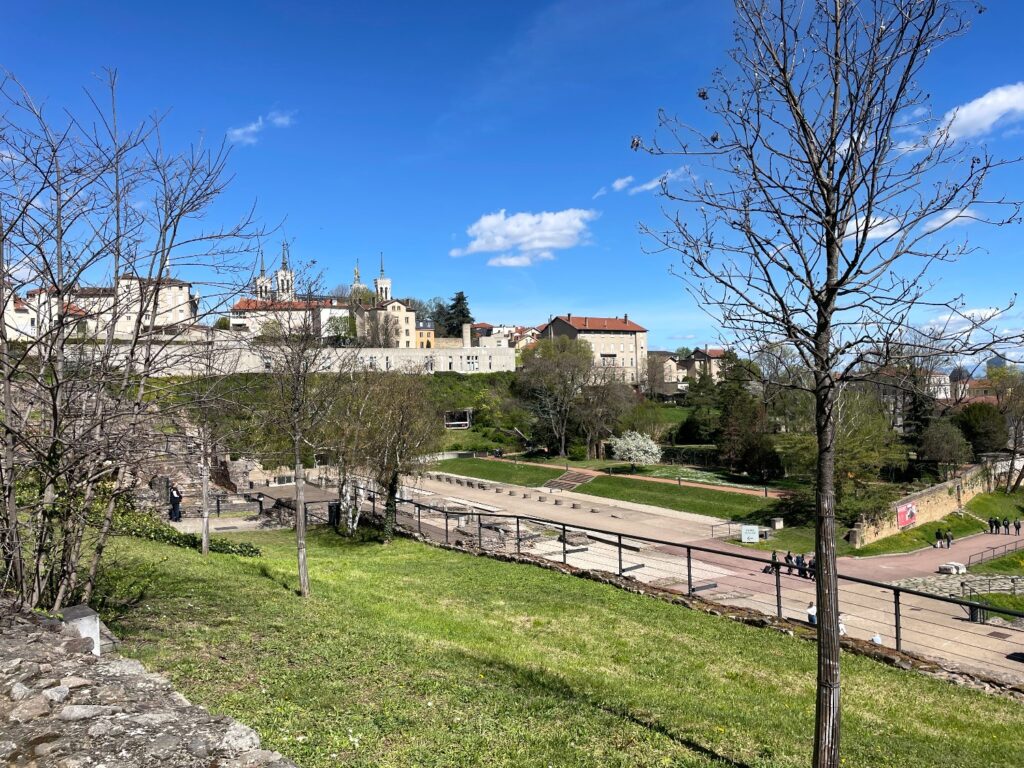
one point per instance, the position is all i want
(382, 263)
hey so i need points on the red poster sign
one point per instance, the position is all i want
(906, 514)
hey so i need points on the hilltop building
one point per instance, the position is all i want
(618, 343)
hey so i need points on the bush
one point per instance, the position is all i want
(577, 452)
(636, 449)
(983, 426)
(760, 459)
(144, 526)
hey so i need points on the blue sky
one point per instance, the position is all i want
(481, 147)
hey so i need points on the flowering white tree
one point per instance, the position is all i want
(636, 448)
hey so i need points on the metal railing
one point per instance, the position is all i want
(991, 553)
(908, 619)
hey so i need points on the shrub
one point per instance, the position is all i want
(760, 459)
(129, 522)
(636, 449)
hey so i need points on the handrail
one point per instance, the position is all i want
(761, 561)
(990, 552)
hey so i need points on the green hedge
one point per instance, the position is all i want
(143, 526)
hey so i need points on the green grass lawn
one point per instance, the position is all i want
(922, 536)
(530, 475)
(998, 504)
(1007, 565)
(796, 540)
(1002, 600)
(700, 501)
(408, 655)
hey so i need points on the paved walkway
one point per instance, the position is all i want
(929, 627)
(218, 525)
(763, 492)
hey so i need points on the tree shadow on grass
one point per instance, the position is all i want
(525, 678)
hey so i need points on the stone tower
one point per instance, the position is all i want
(285, 277)
(262, 285)
(382, 284)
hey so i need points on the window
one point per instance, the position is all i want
(622, 347)
(407, 322)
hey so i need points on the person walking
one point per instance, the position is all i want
(175, 504)
(775, 560)
(810, 568)
(938, 538)
(949, 538)
(1016, 526)
(812, 614)
(1006, 525)
(801, 568)
(789, 563)
(991, 524)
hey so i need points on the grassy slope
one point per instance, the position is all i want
(1007, 565)
(700, 501)
(434, 658)
(499, 471)
(1003, 600)
(922, 536)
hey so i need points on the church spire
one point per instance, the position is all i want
(382, 263)
(263, 268)
(284, 254)
(356, 273)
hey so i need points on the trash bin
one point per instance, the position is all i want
(977, 614)
(334, 513)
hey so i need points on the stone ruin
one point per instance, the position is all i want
(61, 706)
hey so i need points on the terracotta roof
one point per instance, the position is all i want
(482, 325)
(261, 305)
(94, 291)
(712, 352)
(583, 323)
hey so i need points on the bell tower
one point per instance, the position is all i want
(262, 284)
(382, 284)
(285, 277)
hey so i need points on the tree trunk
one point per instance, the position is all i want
(391, 508)
(205, 470)
(827, 708)
(300, 520)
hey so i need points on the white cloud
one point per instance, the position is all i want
(600, 193)
(523, 239)
(878, 229)
(656, 182)
(977, 117)
(249, 134)
(950, 218)
(620, 184)
(281, 119)
(522, 260)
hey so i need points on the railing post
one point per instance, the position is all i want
(479, 532)
(217, 498)
(620, 554)
(689, 572)
(899, 632)
(446, 527)
(778, 590)
(419, 524)
(564, 554)
(518, 539)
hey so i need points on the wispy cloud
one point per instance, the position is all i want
(620, 184)
(878, 228)
(976, 118)
(951, 218)
(249, 134)
(656, 182)
(523, 239)
(600, 193)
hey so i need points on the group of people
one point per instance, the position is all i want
(943, 537)
(994, 525)
(804, 564)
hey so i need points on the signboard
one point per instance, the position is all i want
(906, 515)
(748, 534)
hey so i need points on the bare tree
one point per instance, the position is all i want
(813, 225)
(296, 361)
(404, 425)
(555, 371)
(602, 403)
(83, 197)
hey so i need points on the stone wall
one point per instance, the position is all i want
(933, 503)
(61, 706)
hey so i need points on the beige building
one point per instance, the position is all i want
(708, 360)
(425, 334)
(618, 343)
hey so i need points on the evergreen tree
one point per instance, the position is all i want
(456, 313)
